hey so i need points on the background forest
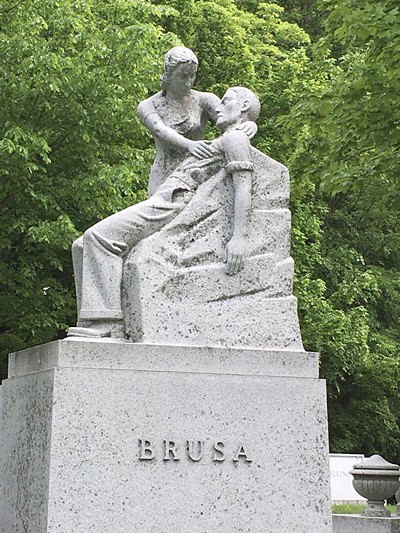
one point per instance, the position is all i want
(72, 151)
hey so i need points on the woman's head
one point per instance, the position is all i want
(180, 67)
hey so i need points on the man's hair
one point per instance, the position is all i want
(176, 56)
(246, 95)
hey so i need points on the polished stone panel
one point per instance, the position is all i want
(112, 436)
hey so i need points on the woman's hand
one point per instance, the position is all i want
(200, 149)
(249, 128)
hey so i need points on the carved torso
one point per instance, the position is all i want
(188, 118)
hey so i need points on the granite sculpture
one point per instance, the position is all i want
(214, 415)
(171, 268)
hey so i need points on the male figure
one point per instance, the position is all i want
(98, 256)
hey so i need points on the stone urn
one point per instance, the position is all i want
(397, 496)
(376, 480)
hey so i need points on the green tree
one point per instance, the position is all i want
(304, 13)
(71, 148)
(346, 155)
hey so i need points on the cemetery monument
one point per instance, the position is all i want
(182, 400)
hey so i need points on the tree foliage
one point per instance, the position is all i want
(71, 149)
(347, 157)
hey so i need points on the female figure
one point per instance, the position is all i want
(177, 116)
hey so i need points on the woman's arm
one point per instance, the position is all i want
(154, 123)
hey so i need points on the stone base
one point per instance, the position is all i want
(231, 440)
(175, 288)
(343, 523)
(197, 306)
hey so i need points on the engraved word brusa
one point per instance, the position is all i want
(193, 449)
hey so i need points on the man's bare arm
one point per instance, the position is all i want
(236, 248)
(237, 152)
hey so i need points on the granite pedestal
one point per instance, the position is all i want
(115, 437)
(365, 524)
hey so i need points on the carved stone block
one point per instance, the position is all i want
(108, 436)
(175, 289)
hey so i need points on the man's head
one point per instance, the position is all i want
(237, 106)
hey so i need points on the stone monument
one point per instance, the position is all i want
(183, 400)
(377, 480)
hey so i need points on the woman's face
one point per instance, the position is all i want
(181, 78)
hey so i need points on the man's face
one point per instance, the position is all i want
(229, 110)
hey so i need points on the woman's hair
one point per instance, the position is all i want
(174, 57)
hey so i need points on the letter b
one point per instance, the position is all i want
(146, 450)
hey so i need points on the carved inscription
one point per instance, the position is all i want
(146, 451)
(195, 450)
(170, 451)
(219, 454)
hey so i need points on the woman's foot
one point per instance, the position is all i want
(98, 328)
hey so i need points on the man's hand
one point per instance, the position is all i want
(200, 149)
(249, 128)
(234, 255)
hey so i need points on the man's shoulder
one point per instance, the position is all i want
(235, 136)
(236, 146)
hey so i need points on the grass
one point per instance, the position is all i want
(349, 508)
